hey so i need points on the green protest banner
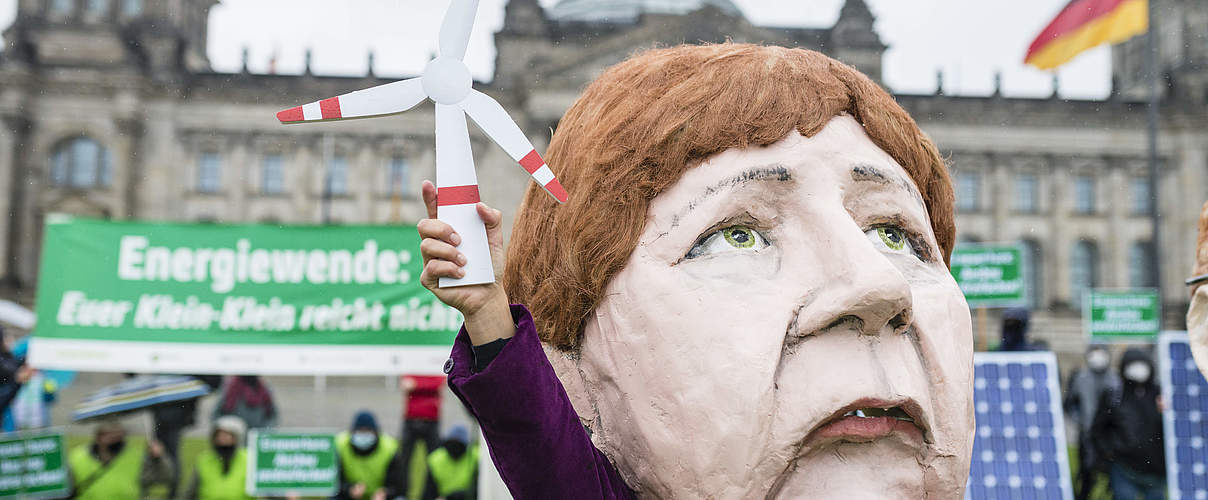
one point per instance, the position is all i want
(32, 466)
(212, 298)
(292, 463)
(1122, 315)
(990, 275)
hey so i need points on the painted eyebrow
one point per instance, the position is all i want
(774, 172)
(867, 172)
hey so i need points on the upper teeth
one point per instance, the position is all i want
(895, 412)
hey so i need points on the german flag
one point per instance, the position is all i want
(1084, 24)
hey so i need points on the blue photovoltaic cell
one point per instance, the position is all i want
(1185, 419)
(1019, 446)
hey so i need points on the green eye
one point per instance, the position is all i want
(734, 239)
(893, 237)
(739, 237)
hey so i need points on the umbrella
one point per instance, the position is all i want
(139, 393)
(17, 315)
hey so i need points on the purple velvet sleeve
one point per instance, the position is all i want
(533, 432)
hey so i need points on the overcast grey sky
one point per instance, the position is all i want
(969, 40)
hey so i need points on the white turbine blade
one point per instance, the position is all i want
(457, 196)
(494, 120)
(455, 29)
(382, 100)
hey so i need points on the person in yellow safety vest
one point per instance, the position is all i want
(110, 469)
(221, 470)
(370, 464)
(453, 468)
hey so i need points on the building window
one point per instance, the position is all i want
(62, 7)
(968, 191)
(98, 8)
(209, 173)
(337, 176)
(1084, 194)
(131, 8)
(1025, 193)
(1141, 197)
(80, 163)
(273, 175)
(1140, 265)
(1033, 261)
(1084, 269)
(397, 174)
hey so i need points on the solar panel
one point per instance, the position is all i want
(1019, 446)
(1185, 419)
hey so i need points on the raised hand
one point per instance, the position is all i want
(484, 306)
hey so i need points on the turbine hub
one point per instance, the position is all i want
(447, 80)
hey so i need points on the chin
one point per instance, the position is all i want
(881, 469)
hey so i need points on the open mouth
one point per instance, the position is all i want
(868, 420)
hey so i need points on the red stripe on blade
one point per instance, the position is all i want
(330, 108)
(555, 188)
(291, 115)
(457, 195)
(532, 161)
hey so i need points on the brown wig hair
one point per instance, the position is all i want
(645, 121)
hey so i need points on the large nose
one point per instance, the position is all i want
(863, 290)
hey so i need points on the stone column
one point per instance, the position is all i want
(1061, 240)
(237, 177)
(999, 188)
(129, 174)
(1117, 242)
(14, 143)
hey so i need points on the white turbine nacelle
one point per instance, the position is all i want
(447, 82)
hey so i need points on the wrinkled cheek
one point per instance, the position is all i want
(947, 343)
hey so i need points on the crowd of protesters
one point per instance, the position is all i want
(372, 465)
(1118, 416)
(1116, 412)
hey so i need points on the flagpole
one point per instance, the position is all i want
(1152, 133)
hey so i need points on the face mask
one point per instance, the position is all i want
(455, 448)
(115, 448)
(225, 451)
(1137, 372)
(363, 440)
(1098, 360)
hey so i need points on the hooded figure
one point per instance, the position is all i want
(453, 468)
(221, 469)
(1015, 330)
(1127, 431)
(108, 468)
(370, 464)
(1086, 387)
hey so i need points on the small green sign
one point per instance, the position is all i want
(292, 463)
(32, 466)
(1122, 315)
(990, 275)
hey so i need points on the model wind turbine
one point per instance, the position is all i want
(447, 81)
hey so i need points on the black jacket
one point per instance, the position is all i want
(9, 366)
(1128, 426)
